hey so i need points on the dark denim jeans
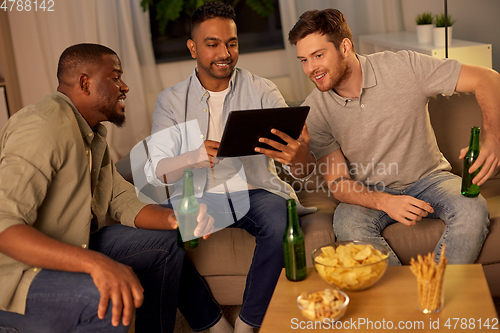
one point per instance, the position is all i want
(266, 220)
(67, 302)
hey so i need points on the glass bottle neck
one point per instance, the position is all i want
(292, 219)
(474, 138)
(187, 185)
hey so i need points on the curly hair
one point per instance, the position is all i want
(330, 22)
(210, 10)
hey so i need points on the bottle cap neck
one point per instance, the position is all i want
(187, 184)
(474, 137)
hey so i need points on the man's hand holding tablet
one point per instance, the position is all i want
(295, 153)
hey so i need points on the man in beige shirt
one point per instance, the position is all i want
(61, 269)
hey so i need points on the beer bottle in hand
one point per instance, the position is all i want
(187, 214)
(294, 248)
(469, 189)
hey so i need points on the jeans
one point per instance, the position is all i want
(266, 221)
(466, 219)
(60, 302)
(67, 302)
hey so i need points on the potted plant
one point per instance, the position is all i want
(439, 33)
(424, 27)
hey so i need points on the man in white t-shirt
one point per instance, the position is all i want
(242, 192)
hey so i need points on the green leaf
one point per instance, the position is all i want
(145, 4)
(424, 18)
(170, 10)
(441, 19)
(262, 7)
(166, 11)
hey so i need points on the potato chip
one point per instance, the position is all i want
(342, 265)
(363, 254)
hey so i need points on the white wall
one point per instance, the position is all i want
(363, 16)
(477, 21)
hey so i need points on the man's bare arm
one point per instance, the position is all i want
(485, 83)
(171, 169)
(162, 218)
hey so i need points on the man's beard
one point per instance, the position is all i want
(108, 109)
(341, 75)
(112, 115)
(214, 74)
(116, 118)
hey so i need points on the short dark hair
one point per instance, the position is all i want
(330, 22)
(79, 55)
(210, 10)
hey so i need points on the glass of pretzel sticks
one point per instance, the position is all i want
(430, 281)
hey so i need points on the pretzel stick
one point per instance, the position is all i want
(429, 279)
(439, 283)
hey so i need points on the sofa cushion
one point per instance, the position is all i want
(452, 118)
(317, 227)
(227, 289)
(407, 242)
(490, 254)
(227, 252)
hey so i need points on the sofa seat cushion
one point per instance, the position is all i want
(317, 227)
(227, 252)
(227, 289)
(490, 253)
(407, 242)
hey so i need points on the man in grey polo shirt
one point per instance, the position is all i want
(371, 133)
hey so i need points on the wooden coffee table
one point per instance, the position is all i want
(391, 304)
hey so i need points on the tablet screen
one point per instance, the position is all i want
(244, 128)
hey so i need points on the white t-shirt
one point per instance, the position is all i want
(224, 171)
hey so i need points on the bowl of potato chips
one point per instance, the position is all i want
(323, 304)
(351, 265)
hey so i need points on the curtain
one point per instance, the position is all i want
(301, 86)
(40, 37)
(363, 17)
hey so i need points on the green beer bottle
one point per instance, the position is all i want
(187, 213)
(469, 189)
(294, 248)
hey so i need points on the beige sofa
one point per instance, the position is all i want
(224, 258)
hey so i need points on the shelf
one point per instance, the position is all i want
(464, 51)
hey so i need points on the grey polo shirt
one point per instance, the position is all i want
(385, 134)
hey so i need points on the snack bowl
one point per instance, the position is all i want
(351, 265)
(323, 304)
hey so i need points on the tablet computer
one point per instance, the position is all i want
(244, 128)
